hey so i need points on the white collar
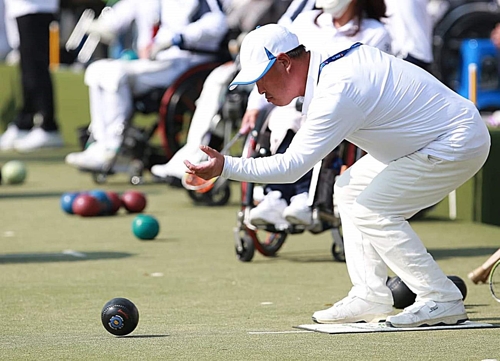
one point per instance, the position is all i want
(312, 79)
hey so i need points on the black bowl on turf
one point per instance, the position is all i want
(401, 294)
(404, 297)
(119, 316)
(460, 284)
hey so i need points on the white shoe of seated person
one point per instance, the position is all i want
(269, 211)
(95, 157)
(430, 313)
(38, 138)
(175, 166)
(10, 136)
(299, 212)
(353, 309)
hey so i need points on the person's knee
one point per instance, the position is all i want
(366, 218)
(372, 218)
(108, 74)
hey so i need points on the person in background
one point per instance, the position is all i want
(113, 84)
(35, 125)
(215, 86)
(410, 25)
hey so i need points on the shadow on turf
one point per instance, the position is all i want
(303, 257)
(31, 195)
(320, 257)
(462, 252)
(143, 336)
(59, 257)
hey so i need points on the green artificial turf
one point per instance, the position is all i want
(196, 300)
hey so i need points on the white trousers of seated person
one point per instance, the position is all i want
(114, 83)
(374, 201)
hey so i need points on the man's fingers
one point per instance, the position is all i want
(189, 166)
(209, 151)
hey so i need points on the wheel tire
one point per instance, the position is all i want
(338, 245)
(99, 178)
(246, 253)
(219, 198)
(271, 244)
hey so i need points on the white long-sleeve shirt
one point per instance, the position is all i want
(384, 105)
(17, 8)
(315, 30)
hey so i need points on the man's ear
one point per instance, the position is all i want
(284, 60)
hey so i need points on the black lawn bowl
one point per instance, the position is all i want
(119, 316)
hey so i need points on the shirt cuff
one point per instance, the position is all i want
(226, 170)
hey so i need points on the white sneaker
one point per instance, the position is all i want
(175, 166)
(430, 313)
(353, 309)
(12, 134)
(96, 157)
(166, 171)
(269, 211)
(299, 212)
(38, 138)
(160, 170)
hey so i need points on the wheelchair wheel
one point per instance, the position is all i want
(270, 244)
(99, 178)
(214, 197)
(338, 244)
(246, 250)
(178, 105)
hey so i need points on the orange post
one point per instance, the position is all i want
(54, 50)
(473, 82)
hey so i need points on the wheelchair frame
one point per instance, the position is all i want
(248, 238)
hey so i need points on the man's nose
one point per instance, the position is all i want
(260, 88)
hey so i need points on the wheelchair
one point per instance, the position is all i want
(175, 106)
(463, 20)
(268, 240)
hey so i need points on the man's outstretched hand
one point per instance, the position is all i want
(210, 168)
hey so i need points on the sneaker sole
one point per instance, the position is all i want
(298, 221)
(442, 321)
(365, 319)
(260, 222)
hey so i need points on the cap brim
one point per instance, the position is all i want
(250, 75)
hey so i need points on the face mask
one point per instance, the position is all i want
(334, 7)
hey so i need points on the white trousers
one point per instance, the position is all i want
(375, 200)
(114, 83)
